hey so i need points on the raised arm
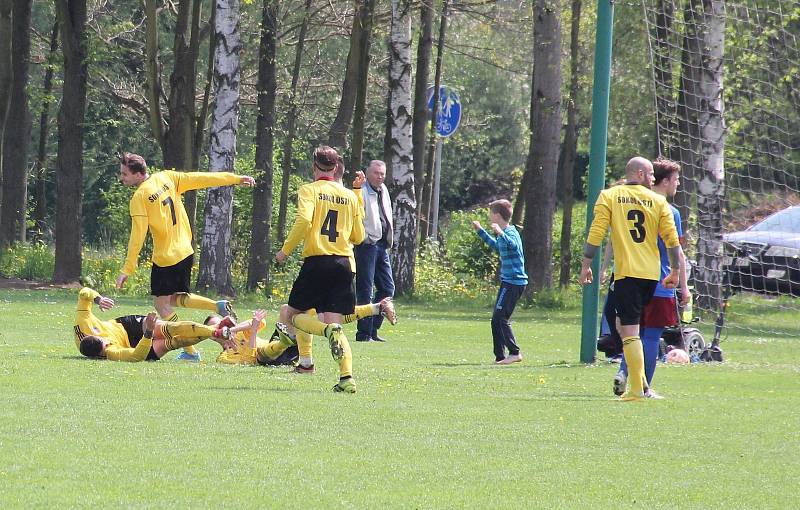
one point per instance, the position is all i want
(187, 181)
(115, 353)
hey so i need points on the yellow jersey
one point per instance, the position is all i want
(244, 354)
(156, 204)
(119, 347)
(637, 216)
(329, 221)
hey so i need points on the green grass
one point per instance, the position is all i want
(433, 424)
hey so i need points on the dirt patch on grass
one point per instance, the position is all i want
(16, 283)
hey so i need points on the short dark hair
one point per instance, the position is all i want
(208, 320)
(664, 168)
(338, 172)
(133, 162)
(325, 158)
(502, 207)
(91, 346)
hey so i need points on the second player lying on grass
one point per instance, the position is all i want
(131, 337)
(243, 346)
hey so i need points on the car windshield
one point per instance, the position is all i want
(787, 220)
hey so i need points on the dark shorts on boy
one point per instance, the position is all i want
(660, 312)
(132, 324)
(166, 281)
(325, 282)
(632, 295)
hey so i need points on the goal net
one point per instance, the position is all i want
(726, 79)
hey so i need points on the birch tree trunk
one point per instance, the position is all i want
(258, 266)
(15, 162)
(402, 151)
(709, 154)
(215, 247)
(69, 164)
(361, 92)
(542, 160)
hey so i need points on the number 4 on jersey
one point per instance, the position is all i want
(329, 226)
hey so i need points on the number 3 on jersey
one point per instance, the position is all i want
(329, 226)
(637, 232)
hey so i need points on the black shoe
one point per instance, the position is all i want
(363, 339)
(378, 339)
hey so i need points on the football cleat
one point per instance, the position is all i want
(620, 381)
(345, 386)
(652, 394)
(282, 334)
(190, 357)
(334, 334)
(226, 321)
(225, 308)
(302, 369)
(387, 310)
(223, 333)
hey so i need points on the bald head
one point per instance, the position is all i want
(639, 170)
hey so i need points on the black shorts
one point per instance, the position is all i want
(133, 328)
(632, 295)
(325, 282)
(287, 357)
(166, 281)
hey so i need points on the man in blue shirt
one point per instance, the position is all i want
(513, 279)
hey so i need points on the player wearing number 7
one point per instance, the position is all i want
(156, 205)
(636, 216)
(329, 223)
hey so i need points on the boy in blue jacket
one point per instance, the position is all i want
(513, 279)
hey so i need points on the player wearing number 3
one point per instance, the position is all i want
(156, 205)
(636, 216)
(329, 222)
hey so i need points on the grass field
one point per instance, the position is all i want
(433, 424)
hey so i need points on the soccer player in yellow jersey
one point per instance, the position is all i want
(132, 337)
(637, 216)
(329, 222)
(156, 205)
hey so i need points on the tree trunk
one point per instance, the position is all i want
(709, 153)
(337, 134)
(15, 162)
(40, 168)
(361, 92)
(6, 76)
(258, 267)
(544, 144)
(419, 131)
(402, 151)
(215, 247)
(570, 146)
(519, 202)
(69, 165)
(153, 73)
(427, 188)
(291, 118)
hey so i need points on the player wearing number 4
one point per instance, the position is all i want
(637, 216)
(156, 205)
(329, 222)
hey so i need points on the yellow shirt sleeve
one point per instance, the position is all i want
(138, 233)
(187, 181)
(83, 312)
(600, 222)
(666, 227)
(116, 353)
(358, 233)
(302, 222)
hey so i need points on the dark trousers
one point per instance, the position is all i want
(503, 337)
(372, 269)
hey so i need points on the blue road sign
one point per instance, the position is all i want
(449, 114)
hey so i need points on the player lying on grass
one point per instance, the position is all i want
(243, 346)
(131, 337)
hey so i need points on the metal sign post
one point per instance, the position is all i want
(448, 118)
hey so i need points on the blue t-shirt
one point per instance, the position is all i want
(512, 262)
(662, 291)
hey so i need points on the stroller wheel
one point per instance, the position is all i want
(695, 343)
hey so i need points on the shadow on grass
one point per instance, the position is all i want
(250, 388)
(516, 366)
(567, 398)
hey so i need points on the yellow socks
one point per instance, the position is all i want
(346, 363)
(361, 312)
(634, 357)
(184, 334)
(309, 324)
(187, 300)
(189, 349)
